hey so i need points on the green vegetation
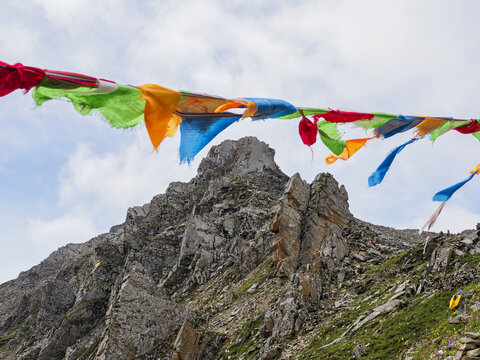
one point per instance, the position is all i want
(420, 323)
(420, 326)
(443, 336)
(472, 260)
(244, 343)
(259, 277)
(4, 340)
(386, 335)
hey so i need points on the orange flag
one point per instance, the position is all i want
(251, 107)
(475, 169)
(351, 147)
(160, 119)
(428, 125)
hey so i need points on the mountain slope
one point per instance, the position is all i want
(240, 262)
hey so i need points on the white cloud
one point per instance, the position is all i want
(454, 217)
(68, 228)
(108, 183)
(17, 41)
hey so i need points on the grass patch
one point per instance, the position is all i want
(444, 336)
(388, 335)
(244, 343)
(258, 278)
(472, 260)
(4, 340)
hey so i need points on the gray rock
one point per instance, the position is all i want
(359, 351)
(187, 343)
(139, 317)
(402, 287)
(252, 288)
(385, 308)
(287, 225)
(441, 258)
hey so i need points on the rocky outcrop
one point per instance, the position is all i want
(287, 225)
(131, 330)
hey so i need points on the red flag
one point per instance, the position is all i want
(308, 131)
(13, 77)
(470, 128)
(338, 116)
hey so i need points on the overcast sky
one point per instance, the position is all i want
(65, 177)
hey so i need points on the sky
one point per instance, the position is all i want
(66, 178)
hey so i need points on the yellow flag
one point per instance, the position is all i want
(454, 301)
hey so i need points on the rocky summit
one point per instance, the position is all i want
(243, 262)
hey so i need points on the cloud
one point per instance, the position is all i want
(454, 217)
(108, 183)
(68, 228)
(17, 41)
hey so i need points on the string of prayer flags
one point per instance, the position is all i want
(446, 127)
(429, 125)
(160, 119)
(120, 105)
(331, 137)
(398, 125)
(201, 117)
(270, 108)
(338, 116)
(197, 132)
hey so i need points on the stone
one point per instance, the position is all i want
(283, 318)
(358, 257)
(459, 253)
(475, 352)
(441, 258)
(270, 353)
(252, 288)
(397, 295)
(402, 287)
(187, 343)
(359, 351)
(310, 288)
(466, 347)
(286, 224)
(419, 289)
(469, 340)
(132, 330)
(385, 308)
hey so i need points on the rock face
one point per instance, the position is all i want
(241, 254)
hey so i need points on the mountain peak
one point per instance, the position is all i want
(239, 157)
